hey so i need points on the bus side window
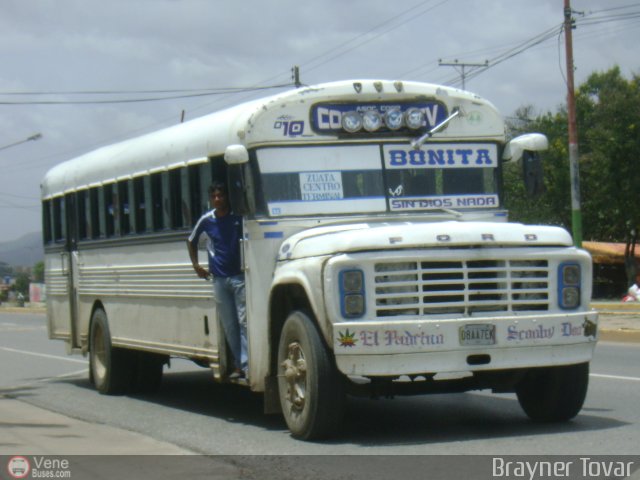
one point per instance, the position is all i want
(194, 193)
(109, 209)
(185, 198)
(204, 175)
(94, 212)
(47, 233)
(83, 220)
(124, 225)
(138, 202)
(59, 219)
(174, 198)
(156, 205)
(131, 197)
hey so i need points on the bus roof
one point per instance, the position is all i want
(251, 124)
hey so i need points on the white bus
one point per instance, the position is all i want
(377, 254)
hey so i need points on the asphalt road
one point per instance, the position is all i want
(199, 416)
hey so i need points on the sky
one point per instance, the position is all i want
(73, 73)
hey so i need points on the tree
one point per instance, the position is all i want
(608, 115)
(38, 272)
(21, 284)
(608, 109)
(552, 207)
(5, 269)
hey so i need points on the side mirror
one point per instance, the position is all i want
(237, 157)
(526, 149)
(533, 142)
(532, 173)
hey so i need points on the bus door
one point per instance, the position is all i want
(70, 265)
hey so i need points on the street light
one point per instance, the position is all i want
(35, 136)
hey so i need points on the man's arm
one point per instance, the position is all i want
(193, 255)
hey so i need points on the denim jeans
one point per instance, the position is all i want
(229, 295)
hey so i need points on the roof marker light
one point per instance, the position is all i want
(352, 122)
(414, 118)
(393, 119)
(371, 120)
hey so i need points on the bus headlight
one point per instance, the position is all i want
(569, 283)
(352, 122)
(352, 298)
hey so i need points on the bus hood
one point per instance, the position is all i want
(400, 235)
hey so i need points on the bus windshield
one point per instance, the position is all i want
(375, 179)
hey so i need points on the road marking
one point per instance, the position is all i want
(8, 390)
(43, 355)
(615, 377)
(5, 328)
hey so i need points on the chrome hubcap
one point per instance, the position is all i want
(99, 355)
(295, 374)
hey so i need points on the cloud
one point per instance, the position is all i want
(76, 45)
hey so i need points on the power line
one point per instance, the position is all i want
(502, 54)
(138, 100)
(522, 47)
(615, 8)
(129, 92)
(34, 137)
(343, 48)
(461, 68)
(541, 38)
(22, 197)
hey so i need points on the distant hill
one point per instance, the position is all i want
(24, 251)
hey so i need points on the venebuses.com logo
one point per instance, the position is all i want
(18, 467)
(38, 467)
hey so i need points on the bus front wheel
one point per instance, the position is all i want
(109, 367)
(554, 394)
(311, 389)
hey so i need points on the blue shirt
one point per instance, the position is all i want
(224, 235)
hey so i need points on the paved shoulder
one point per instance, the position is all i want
(618, 322)
(29, 430)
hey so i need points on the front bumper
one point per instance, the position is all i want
(407, 347)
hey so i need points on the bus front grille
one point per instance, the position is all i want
(460, 287)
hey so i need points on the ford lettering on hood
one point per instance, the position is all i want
(377, 236)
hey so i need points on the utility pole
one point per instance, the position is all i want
(574, 171)
(295, 76)
(460, 67)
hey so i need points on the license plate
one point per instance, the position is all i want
(478, 334)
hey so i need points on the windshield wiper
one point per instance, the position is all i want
(450, 211)
(417, 143)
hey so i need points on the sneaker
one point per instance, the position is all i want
(236, 375)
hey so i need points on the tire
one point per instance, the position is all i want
(147, 377)
(111, 369)
(554, 394)
(311, 390)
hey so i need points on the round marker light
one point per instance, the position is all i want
(371, 120)
(352, 122)
(414, 118)
(393, 119)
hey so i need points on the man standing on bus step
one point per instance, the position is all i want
(224, 232)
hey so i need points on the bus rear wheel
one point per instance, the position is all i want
(148, 372)
(554, 394)
(311, 389)
(110, 368)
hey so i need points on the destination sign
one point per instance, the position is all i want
(327, 118)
